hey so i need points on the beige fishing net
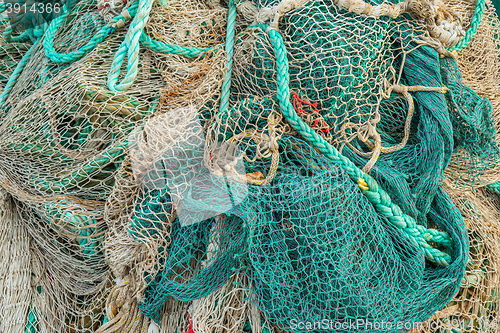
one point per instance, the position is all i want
(62, 197)
(479, 64)
(476, 306)
(139, 219)
(62, 146)
(15, 268)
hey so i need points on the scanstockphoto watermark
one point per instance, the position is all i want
(363, 324)
(354, 324)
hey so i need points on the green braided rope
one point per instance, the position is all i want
(160, 47)
(130, 47)
(15, 74)
(476, 21)
(495, 187)
(382, 202)
(100, 36)
(226, 85)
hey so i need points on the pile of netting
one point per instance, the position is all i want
(249, 166)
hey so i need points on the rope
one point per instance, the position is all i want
(254, 178)
(226, 84)
(15, 75)
(36, 34)
(100, 36)
(130, 47)
(370, 129)
(160, 47)
(122, 308)
(476, 21)
(7, 34)
(67, 181)
(221, 162)
(419, 235)
(495, 187)
(117, 22)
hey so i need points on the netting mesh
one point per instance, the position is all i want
(327, 254)
(479, 65)
(63, 140)
(475, 307)
(192, 202)
(346, 66)
(15, 277)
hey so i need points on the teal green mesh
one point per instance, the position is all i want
(318, 250)
(339, 61)
(472, 119)
(201, 258)
(314, 249)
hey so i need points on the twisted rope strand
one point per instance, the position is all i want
(226, 85)
(476, 21)
(15, 75)
(100, 36)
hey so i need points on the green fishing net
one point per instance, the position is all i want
(314, 249)
(310, 252)
(318, 251)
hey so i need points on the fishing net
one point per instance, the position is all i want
(348, 77)
(15, 297)
(202, 256)
(139, 205)
(304, 244)
(141, 210)
(205, 191)
(475, 307)
(63, 140)
(318, 257)
(479, 64)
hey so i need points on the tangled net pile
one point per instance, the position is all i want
(249, 166)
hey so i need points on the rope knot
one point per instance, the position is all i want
(109, 9)
(398, 88)
(126, 17)
(272, 15)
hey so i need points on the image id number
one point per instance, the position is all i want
(34, 8)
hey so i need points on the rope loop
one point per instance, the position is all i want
(368, 132)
